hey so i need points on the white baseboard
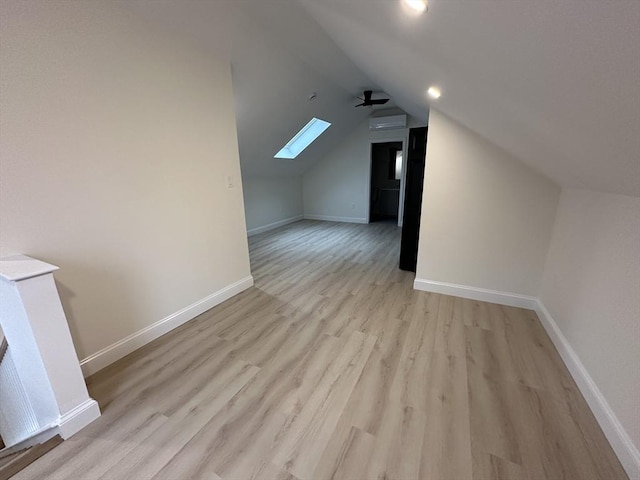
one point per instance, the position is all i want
(116, 351)
(271, 226)
(328, 218)
(78, 418)
(620, 441)
(614, 431)
(474, 293)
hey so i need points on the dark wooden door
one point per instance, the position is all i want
(416, 153)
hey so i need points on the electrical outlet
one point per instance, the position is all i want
(229, 181)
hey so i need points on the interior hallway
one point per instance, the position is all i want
(332, 366)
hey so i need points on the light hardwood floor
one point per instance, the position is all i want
(332, 366)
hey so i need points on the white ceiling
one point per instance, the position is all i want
(554, 83)
(279, 57)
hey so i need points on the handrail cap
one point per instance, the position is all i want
(21, 267)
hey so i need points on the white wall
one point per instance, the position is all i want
(486, 218)
(490, 223)
(116, 141)
(591, 288)
(270, 202)
(337, 186)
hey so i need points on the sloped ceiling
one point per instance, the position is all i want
(556, 84)
(279, 56)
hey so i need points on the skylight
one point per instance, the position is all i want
(303, 138)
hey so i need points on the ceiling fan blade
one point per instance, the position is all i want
(362, 105)
(380, 101)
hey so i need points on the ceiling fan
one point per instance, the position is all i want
(368, 102)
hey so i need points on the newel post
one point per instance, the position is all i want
(40, 344)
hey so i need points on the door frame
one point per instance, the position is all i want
(394, 136)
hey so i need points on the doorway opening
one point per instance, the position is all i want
(387, 166)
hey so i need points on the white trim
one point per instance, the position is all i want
(614, 431)
(78, 418)
(328, 218)
(116, 351)
(475, 293)
(271, 226)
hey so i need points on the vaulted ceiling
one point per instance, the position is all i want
(556, 84)
(280, 56)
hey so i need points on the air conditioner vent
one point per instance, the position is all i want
(388, 123)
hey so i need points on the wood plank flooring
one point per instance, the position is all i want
(12, 464)
(333, 367)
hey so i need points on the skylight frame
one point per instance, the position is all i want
(301, 140)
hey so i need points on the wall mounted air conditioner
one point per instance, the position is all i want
(388, 123)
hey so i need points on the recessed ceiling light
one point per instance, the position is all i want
(417, 5)
(434, 92)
